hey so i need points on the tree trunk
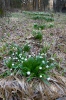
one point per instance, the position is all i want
(2, 7)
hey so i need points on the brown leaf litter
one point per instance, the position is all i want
(17, 88)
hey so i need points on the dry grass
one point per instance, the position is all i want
(16, 88)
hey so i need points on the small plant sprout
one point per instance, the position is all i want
(26, 48)
(37, 34)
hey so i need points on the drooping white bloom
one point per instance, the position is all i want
(9, 57)
(52, 58)
(40, 76)
(48, 78)
(16, 53)
(43, 62)
(29, 56)
(25, 59)
(40, 68)
(20, 54)
(13, 47)
(45, 54)
(11, 69)
(42, 54)
(40, 57)
(13, 58)
(12, 64)
(22, 58)
(13, 54)
(11, 74)
(16, 58)
(28, 73)
(47, 66)
(47, 61)
(4, 57)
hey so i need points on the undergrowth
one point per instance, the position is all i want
(21, 63)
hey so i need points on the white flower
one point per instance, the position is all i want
(12, 64)
(43, 62)
(45, 54)
(9, 57)
(40, 68)
(47, 61)
(40, 57)
(16, 53)
(15, 48)
(25, 59)
(11, 74)
(22, 58)
(42, 54)
(5, 57)
(40, 76)
(13, 54)
(16, 58)
(52, 64)
(48, 78)
(20, 54)
(28, 73)
(39, 53)
(52, 58)
(47, 66)
(13, 58)
(11, 69)
(29, 56)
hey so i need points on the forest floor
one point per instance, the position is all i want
(18, 28)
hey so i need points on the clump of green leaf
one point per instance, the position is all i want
(37, 13)
(45, 48)
(39, 66)
(50, 25)
(37, 34)
(46, 18)
(36, 26)
(26, 48)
